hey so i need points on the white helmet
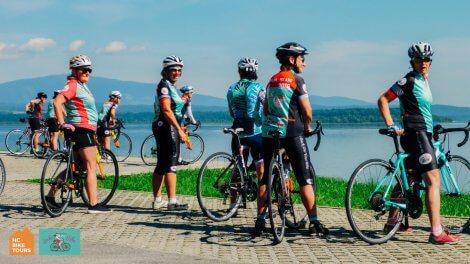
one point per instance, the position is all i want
(248, 64)
(79, 61)
(420, 50)
(172, 61)
(115, 94)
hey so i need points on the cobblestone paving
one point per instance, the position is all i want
(134, 225)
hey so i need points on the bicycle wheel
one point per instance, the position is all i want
(197, 149)
(365, 208)
(296, 216)
(219, 186)
(276, 202)
(107, 173)
(65, 246)
(44, 144)
(455, 208)
(55, 183)
(148, 151)
(122, 148)
(3, 176)
(17, 142)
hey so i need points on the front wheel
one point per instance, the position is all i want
(107, 173)
(148, 151)
(276, 202)
(122, 146)
(192, 151)
(17, 142)
(219, 186)
(370, 185)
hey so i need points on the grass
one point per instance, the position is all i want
(330, 191)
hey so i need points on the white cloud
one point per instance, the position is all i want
(115, 46)
(7, 51)
(38, 44)
(76, 45)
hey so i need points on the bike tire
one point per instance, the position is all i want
(148, 151)
(3, 176)
(295, 218)
(276, 210)
(44, 144)
(56, 174)
(107, 183)
(360, 206)
(125, 148)
(17, 142)
(215, 186)
(193, 155)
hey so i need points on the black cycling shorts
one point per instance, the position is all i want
(103, 132)
(34, 123)
(168, 147)
(82, 138)
(52, 124)
(419, 145)
(254, 144)
(299, 157)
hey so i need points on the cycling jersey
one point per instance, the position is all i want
(282, 94)
(415, 102)
(166, 90)
(106, 110)
(49, 113)
(36, 109)
(245, 99)
(80, 105)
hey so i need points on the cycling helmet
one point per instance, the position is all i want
(290, 49)
(248, 64)
(79, 61)
(172, 61)
(115, 94)
(186, 88)
(420, 50)
(42, 95)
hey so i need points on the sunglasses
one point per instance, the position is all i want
(175, 70)
(85, 70)
(422, 60)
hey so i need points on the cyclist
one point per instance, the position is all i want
(415, 102)
(34, 109)
(51, 121)
(245, 104)
(107, 118)
(81, 124)
(187, 113)
(168, 134)
(287, 109)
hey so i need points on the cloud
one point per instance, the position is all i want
(76, 45)
(115, 46)
(38, 44)
(7, 51)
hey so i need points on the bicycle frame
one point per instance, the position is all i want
(445, 170)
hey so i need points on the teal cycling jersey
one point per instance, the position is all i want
(49, 113)
(283, 93)
(415, 101)
(245, 99)
(106, 111)
(166, 90)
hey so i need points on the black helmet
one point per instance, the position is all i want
(42, 95)
(290, 49)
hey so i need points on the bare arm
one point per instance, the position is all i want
(170, 117)
(112, 117)
(59, 101)
(29, 105)
(306, 112)
(384, 108)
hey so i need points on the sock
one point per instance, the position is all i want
(158, 199)
(436, 230)
(172, 200)
(261, 216)
(313, 219)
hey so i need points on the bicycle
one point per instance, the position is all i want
(63, 174)
(3, 176)
(191, 153)
(44, 142)
(377, 186)
(121, 144)
(18, 141)
(279, 188)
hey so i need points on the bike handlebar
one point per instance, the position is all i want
(438, 129)
(197, 125)
(317, 131)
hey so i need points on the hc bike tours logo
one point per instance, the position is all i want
(59, 241)
(22, 243)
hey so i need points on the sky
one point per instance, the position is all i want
(357, 48)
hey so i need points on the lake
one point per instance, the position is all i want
(342, 148)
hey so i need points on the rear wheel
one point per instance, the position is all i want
(148, 151)
(219, 186)
(44, 144)
(122, 146)
(276, 202)
(17, 142)
(197, 149)
(365, 207)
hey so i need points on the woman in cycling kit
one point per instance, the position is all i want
(107, 118)
(245, 104)
(415, 100)
(81, 123)
(168, 134)
(34, 109)
(287, 109)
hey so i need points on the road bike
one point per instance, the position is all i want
(190, 153)
(18, 141)
(280, 189)
(63, 174)
(121, 143)
(381, 193)
(44, 142)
